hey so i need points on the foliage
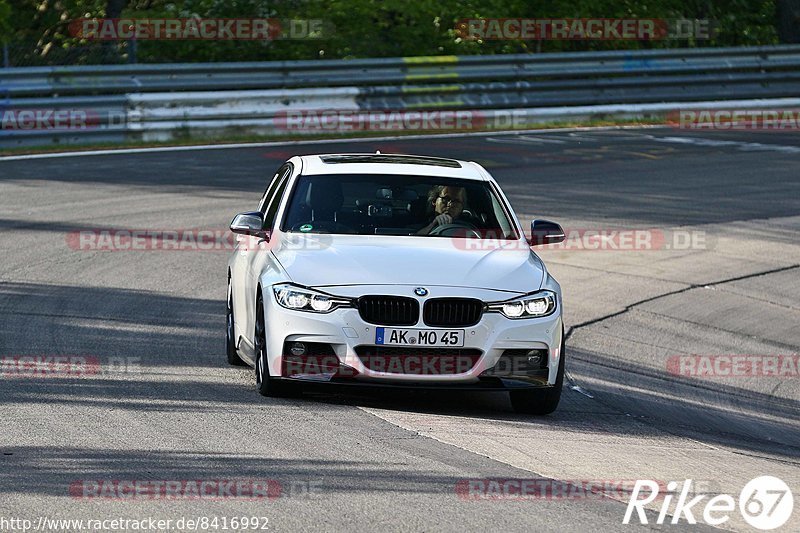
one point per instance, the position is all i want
(371, 28)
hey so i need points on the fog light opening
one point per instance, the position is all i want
(534, 359)
(298, 348)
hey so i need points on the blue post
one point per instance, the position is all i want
(132, 50)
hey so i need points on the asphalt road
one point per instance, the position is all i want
(159, 403)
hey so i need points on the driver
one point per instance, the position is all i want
(448, 204)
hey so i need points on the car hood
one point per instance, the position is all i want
(327, 260)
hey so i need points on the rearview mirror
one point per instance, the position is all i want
(251, 223)
(545, 232)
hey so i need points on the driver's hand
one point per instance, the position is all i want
(442, 219)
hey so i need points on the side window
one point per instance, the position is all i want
(282, 173)
(269, 216)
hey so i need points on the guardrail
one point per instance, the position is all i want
(146, 102)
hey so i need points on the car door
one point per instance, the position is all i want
(256, 256)
(247, 248)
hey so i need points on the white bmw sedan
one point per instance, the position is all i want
(394, 271)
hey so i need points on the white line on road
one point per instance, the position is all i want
(741, 145)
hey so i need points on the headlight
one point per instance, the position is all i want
(303, 299)
(539, 304)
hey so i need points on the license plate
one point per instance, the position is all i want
(443, 338)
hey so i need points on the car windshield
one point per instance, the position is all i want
(380, 204)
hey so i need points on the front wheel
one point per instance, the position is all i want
(541, 401)
(230, 335)
(266, 385)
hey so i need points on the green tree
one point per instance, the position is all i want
(376, 28)
(5, 21)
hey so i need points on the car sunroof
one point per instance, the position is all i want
(386, 158)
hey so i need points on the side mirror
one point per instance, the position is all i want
(545, 232)
(251, 223)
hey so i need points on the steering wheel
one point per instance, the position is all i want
(459, 229)
(323, 226)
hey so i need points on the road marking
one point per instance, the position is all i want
(573, 385)
(741, 145)
(579, 390)
(526, 139)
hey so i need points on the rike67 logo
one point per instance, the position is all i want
(765, 503)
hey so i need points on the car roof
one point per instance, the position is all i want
(378, 163)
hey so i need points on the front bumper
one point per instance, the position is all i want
(345, 331)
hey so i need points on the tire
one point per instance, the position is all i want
(230, 340)
(266, 385)
(541, 401)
